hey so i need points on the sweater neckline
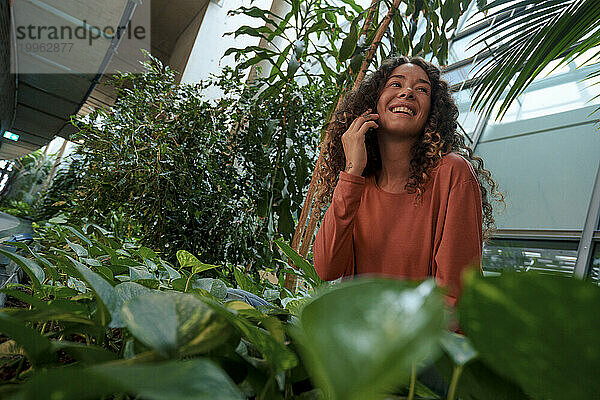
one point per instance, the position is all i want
(380, 190)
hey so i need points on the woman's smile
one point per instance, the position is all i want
(405, 101)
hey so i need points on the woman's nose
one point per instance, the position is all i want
(406, 93)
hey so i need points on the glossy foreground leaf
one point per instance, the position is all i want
(175, 324)
(111, 299)
(540, 330)
(105, 293)
(196, 379)
(361, 338)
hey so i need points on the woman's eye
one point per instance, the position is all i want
(397, 84)
(424, 90)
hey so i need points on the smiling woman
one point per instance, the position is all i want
(411, 199)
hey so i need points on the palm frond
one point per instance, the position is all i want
(536, 33)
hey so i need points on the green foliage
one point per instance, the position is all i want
(215, 178)
(552, 323)
(28, 177)
(109, 318)
(524, 44)
(59, 194)
(196, 379)
(17, 208)
(313, 32)
(342, 333)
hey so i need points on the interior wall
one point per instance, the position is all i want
(183, 48)
(546, 167)
(210, 45)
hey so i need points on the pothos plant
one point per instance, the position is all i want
(102, 317)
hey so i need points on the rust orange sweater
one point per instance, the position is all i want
(369, 231)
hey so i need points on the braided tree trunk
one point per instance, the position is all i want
(304, 234)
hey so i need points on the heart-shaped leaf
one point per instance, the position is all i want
(188, 260)
(360, 339)
(540, 330)
(175, 324)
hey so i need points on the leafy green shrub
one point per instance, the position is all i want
(17, 208)
(216, 178)
(58, 197)
(28, 177)
(108, 318)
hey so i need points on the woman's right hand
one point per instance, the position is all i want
(353, 141)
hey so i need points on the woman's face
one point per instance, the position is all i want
(405, 102)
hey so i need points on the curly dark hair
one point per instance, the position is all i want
(439, 137)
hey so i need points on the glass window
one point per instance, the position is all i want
(467, 118)
(550, 100)
(465, 48)
(529, 255)
(457, 75)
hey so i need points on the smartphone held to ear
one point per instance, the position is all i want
(371, 134)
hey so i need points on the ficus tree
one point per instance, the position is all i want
(182, 172)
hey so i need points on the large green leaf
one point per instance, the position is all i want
(49, 313)
(111, 298)
(188, 260)
(86, 354)
(540, 330)
(360, 339)
(106, 296)
(34, 271)
(196, 379)
(175, 324)
(37, 347)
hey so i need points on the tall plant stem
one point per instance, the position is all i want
(454, 382)
(311, 188)
(376, 41)
(19, 368)
(303, 232)
(413, 381)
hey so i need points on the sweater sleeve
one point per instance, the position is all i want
(333, 250)
(462, 238)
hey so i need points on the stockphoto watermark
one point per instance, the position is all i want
(86, 32)
(79, 37)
